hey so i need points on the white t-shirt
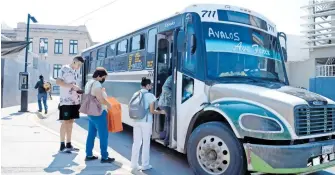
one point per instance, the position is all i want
(149, 98)
(95, 84)
(69, 96)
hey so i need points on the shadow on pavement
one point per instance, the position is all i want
(10, 116)
(95, 167)
(160, 156)
(62, 163)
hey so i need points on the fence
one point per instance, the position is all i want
(325, 71)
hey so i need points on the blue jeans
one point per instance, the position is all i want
(97, 124)
(44, 97)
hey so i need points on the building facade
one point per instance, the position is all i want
(317, 71)
(55, 44)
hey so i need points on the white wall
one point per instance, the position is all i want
(300, 72)
(14, 64)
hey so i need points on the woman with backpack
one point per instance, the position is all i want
(142, 128)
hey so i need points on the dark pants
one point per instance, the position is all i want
(97, 124)
(42, 97)
(167, 122)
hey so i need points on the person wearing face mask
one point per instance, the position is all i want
(98, 124)
(142, 128)
(69, 101)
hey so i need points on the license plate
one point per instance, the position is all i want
(327, 149)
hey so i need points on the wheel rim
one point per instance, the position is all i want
(213, 155)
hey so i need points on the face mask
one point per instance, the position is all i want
(102, 81)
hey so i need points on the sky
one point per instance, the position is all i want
(124, 16)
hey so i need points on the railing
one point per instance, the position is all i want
(318, 28)
(325, 71)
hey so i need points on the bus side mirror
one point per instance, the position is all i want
(181, 41)
(193, 44)
(282, 35)
(284, 53)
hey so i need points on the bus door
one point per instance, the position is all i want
(162, 64)
(85, 70)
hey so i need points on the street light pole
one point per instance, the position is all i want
(24, 92)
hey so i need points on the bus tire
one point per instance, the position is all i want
(213, 149)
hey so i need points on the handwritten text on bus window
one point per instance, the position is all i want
(223, 35)
(255, 47)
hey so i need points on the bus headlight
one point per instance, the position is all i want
(258, 123)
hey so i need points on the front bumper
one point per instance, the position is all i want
(290, 159)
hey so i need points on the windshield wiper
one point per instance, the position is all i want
(255, 80)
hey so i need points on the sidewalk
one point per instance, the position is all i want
(28, 148)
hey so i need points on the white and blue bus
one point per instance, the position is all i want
(233, 110)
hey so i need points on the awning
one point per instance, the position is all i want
(10, 47)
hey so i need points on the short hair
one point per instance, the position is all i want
(99, 72)
(79, 58)
(41, 77)
(145, 81)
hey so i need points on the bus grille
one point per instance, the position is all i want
(314, 120)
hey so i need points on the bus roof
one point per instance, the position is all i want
(142, 28)
(198, 8)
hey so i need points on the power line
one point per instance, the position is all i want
(110, 3)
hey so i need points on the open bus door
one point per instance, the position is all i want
(84, 71)
(160, 57)
(166, 60)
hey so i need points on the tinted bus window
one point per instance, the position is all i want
(242, 18)
(111, 50)
(122, 47)
(152, 40)
(101, 56)
(137, 43)
(93, 59)
(150, 57)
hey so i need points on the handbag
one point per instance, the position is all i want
(90, 104)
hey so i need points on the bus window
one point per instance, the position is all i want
(188, 88)
(93, 60)
(137, 43)
(189, 62)
(122, 47)
(110, 53)
(152, 40)
(151, 47)
(110, 50)
(101, 56)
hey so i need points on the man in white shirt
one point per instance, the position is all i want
(69, 101)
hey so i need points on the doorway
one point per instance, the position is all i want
(163, 69)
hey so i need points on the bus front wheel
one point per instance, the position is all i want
(213, 149)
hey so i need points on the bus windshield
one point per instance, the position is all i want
(238, 51)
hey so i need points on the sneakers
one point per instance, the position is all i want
(148, 167)
(65, 150)
(91, 158)
(73, 149)
(108, 160)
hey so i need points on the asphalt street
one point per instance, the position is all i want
(164, 160)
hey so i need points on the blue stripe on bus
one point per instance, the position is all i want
(238, 47)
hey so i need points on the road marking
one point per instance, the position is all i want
(119, 164)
